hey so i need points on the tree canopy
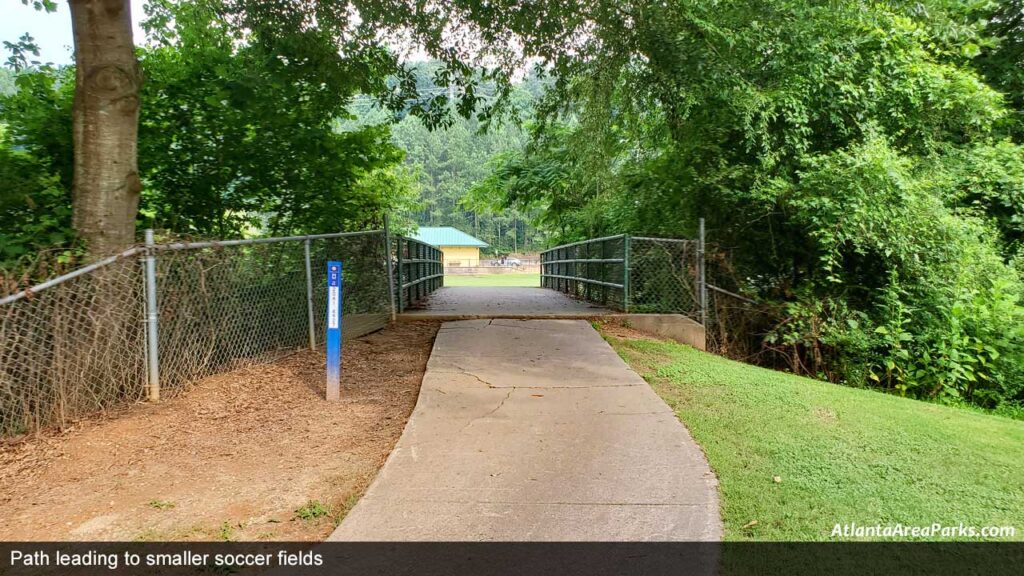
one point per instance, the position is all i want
(233, 136)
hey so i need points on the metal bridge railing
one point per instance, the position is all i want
(420, 271)
(592, 270)
(632, 273)
(661, 275)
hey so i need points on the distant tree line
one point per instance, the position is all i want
(447, 161)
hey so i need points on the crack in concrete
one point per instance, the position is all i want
(525, 465)
(489, 412)
(478, 379)
(464, 372)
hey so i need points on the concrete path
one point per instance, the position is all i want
(460, 302)
(535, 430)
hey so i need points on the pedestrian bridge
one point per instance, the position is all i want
(657, 284)
(622, 273)
(471, 302)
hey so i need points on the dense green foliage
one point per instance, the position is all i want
(245, 129)
(1002, 60)
(235, 137)
(35, 163)
(448, 162)
(850, 158)
(839, 455)
(243, 134)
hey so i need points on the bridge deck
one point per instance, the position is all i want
(468, 302)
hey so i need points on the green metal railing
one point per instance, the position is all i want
(632, 273)
(419, 269)
(592, 270)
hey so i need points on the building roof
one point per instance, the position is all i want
(447, 236)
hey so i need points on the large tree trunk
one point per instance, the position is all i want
(106, 183)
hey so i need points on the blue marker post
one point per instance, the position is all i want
(333, 330)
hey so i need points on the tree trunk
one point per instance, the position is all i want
(106, 186)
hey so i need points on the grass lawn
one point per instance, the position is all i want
(510, 279)
(795, 456)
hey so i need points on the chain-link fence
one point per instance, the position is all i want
(664, 276)
(224, 305)
(629, 273)
(77, 344)
(736, 325)
(658, 275)
(73, 347)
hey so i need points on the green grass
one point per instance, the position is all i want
(312, 510)
(840, 454)
(161, 504)
(510, 279)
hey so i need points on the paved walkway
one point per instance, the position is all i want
(460, 302)
(535, 430)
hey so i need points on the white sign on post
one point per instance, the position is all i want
(332, 307)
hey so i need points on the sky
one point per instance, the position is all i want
(52, 31)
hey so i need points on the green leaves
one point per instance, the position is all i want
(236, 135)
(847, 156)
(42, 5)
(35, 165)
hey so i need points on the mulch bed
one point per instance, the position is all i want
(232, 457)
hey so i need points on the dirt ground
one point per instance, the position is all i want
(621, 329)
(253, 454)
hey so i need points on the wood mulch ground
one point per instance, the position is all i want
(232, 458)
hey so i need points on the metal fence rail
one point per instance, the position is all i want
(92, 339)
(736, 324)
(420, 271)
(632, 273)
(592, 270)
(224, 305)
(662, 275)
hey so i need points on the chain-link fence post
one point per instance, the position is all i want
(309, 297)
(702, 285)
(390, 269)
(401, 291)
(625, 273)
(152, 320)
